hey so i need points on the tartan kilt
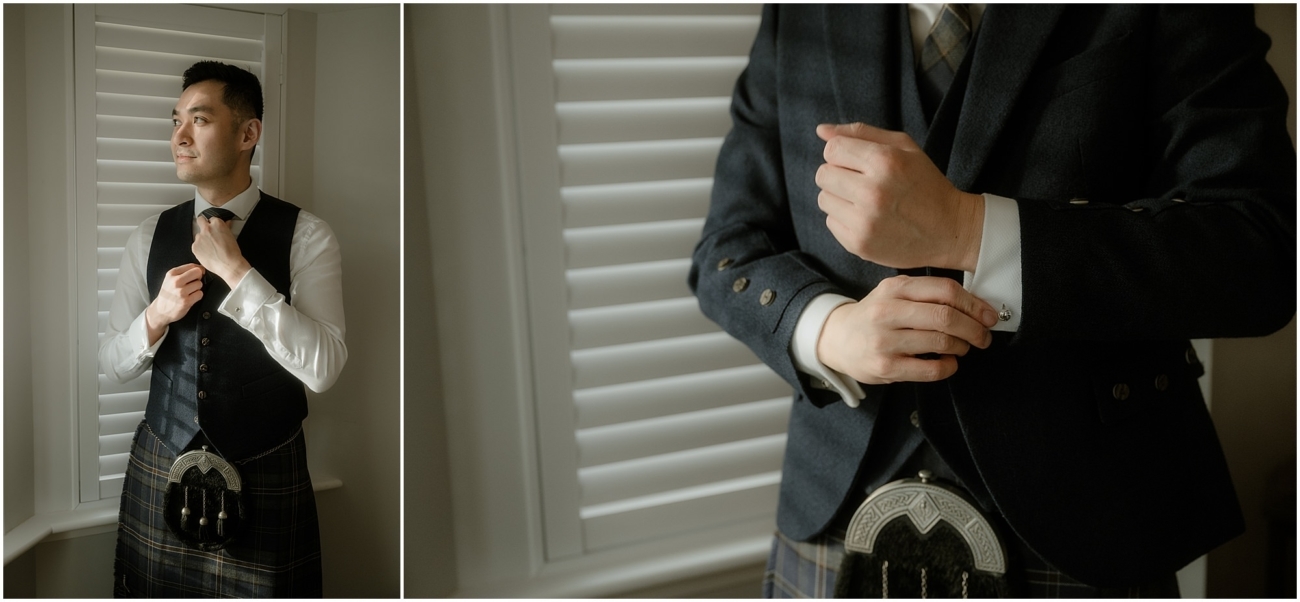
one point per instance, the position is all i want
(797, 569)
(277, 555)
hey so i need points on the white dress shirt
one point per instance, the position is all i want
(996, 279)
(305, 337)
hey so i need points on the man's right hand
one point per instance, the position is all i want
(877, 339)
(181, 289)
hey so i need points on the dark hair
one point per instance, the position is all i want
(243, 93)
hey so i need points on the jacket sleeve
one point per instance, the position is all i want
(747, 270)
(1209, 251)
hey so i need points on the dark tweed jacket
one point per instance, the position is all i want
(1169, 121)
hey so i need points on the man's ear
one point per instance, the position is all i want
(249, 134)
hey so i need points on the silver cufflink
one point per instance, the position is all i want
(1005, 314)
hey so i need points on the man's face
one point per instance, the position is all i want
(206, 135)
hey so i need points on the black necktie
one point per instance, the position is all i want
(219, 213)
(944, 48)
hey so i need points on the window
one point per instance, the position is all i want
(651, 421)
(127, 82)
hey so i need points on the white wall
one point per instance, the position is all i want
(353, 429)
(356, 181)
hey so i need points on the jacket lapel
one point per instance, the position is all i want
(864, 47)
(1007, 46)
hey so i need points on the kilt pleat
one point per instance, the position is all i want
(276, 556)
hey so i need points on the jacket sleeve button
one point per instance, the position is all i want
(725, 263)
(1120, 391)
(767, 297)
(740, 284)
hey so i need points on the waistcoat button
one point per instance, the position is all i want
(203, 367)
(207, 315)
(203, 394)
(204, 341)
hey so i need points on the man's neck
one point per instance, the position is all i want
(218, 194)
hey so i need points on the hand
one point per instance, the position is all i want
(215, 248)
(181, 289)
(877, 339)
(886, 202)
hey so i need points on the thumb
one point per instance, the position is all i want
(870, 133)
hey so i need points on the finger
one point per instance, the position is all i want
(937, 317)
(862, 131)
(843, 235)
(846, 183)
(913, 369)
(852, 153)
(933, 289)
(191, 286)
(835, 205)
(192, 274)
(918, 342)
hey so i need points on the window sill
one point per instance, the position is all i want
(89, 519)
(619, 571)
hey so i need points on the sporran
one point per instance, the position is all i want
(204, 504)
(916, 538)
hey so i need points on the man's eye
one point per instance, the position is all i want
(176, 123)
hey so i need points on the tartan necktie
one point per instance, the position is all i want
(219, 213)
(941, 54)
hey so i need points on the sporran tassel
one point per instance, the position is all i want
(185, 510)
(221, 517)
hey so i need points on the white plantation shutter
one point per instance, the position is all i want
(652, 421)
(129, 61)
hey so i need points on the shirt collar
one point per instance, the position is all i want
(241, 205)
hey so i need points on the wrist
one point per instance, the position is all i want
(970, 232)
(235, 274)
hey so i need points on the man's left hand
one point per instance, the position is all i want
(886, 202)
(216, 249)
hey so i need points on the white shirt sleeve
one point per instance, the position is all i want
(996, 279)
(124, 352)
(305, 335)
(807, 331)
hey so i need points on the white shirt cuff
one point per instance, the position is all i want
(252, 292)
(137, 335)
(804, 348)
(996, 278)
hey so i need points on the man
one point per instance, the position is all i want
(235, 300)
(1107, 182)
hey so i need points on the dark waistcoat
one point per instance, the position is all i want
(210, 374)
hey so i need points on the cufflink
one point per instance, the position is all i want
(1005, 314)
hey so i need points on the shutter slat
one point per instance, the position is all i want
(116, 424)
(134, 105)
(643, 438)
(594, 287)
(107, 278)
(678, 470)
(619, 324)
(625, 120)
(114, 236)
(139, 84)
(122, 149)
(611, 204)
(577, 37)
(110, 487)
(656, 359)
(613, 404)
(747, 498)
(136, 128)
(113, 464)
(627, 79)
(110, 258)
(126, 215)
(631, 243)
(158, 63)
(136, 171)
(113, 403)
(143, 193)
(621, 162)
(227, 49)
(116, 444)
